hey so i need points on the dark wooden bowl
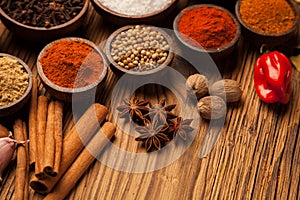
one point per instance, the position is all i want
(120, 70)
(17, 105)
(258, 38)
(218, 53)
(39, 34)
(64, 93)
(123, 19)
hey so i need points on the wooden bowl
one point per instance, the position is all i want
(39, 34)
(217, 53)
(18, 104)
(258, 38)
(120, 70)
(64, 93)
(120, 19)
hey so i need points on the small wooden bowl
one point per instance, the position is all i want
(258, 38)
(17, 105)
(64, 93)
(120, 19)
(120, 70)
(217, 53)
(39, 34)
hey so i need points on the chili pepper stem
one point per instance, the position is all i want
(263, 49)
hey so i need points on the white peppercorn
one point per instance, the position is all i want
(140, 48)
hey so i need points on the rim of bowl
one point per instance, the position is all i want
(27, 69)
(65, 89)
(160, 67)
(37, 28)
(295, 25)
(106, 9)
(199, 49)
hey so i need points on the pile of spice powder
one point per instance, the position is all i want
(140, 48)
(46, 13)
(267, 16)
(135, 7)
(71, 64)
(13, 81)
(207, 27)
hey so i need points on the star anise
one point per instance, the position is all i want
(180, 127)
(135, 108)
(161, 112)
(153, 136)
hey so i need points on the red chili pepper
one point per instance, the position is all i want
(272, 77)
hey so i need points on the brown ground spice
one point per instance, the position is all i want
(13, 80)
(267, 16)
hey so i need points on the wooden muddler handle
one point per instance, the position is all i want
(72, 145)
(32, 124)
(81, 164)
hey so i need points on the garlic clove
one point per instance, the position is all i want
(7, 147)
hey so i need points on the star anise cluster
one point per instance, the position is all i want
(136, 110)
(158, 123)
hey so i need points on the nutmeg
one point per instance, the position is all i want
(212, 107)
(227, 88)
(197, 84)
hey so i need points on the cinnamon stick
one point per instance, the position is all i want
(3, 131)
(81, 164)
(26, 186)
(32, 124)
(21, 169)
(72, 145)
(58, 136)
(41, 131)
(50, 144)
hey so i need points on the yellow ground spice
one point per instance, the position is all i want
(267, 16)
(13, 80)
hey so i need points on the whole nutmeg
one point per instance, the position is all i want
(227, 88)
(212, 107)
(197, 84)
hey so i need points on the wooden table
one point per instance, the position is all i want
(257, 155)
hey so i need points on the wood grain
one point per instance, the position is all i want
(257, 155)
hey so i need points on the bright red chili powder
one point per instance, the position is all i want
(207, 27)
(71, 64)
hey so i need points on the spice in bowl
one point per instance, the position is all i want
(207, 27)
(47, 13)
(139, 48)
(267, 16)
(136, 7)
(14, 80)
(71, 63)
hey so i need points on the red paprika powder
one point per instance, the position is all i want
(71, 64)
(207, 27)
